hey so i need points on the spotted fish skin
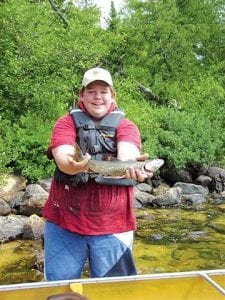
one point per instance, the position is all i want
(117, 167)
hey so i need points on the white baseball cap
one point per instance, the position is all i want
(97, 74)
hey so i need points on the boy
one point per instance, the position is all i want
(87, 219)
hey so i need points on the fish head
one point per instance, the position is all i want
(153, 165)
(78, 153)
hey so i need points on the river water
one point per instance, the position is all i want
(167, 240)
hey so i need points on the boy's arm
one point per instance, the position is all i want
(63, 156)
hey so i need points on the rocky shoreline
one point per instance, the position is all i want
(21, 203)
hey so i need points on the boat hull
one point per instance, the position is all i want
(202, 285)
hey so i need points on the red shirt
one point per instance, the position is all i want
(92, 208)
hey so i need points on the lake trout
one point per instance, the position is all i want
(117, 168)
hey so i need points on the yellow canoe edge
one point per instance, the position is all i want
(192, 285)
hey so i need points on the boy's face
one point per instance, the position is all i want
(97, 99)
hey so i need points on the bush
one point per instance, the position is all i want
(186, 138)
(31, 139)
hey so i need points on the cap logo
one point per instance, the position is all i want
(96, 72)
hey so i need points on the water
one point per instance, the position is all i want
(175, 240)
(167, 240)
(17, 262)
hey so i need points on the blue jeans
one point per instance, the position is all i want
(66, 254)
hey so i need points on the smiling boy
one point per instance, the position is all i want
(87, 220)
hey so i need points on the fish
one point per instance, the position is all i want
(117, 168)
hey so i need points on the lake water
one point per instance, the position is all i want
(175, 240)
(167, 240)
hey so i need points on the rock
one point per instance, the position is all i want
(11, 227)
(33, 228)
(170, 198)
(137, 204)
(144, 187)
(34, 200)
(146, 216)
(204, 180)
(219, 182)
(144, 198)
(218, 198)
(193, 199)
(194, 235)
(172, 175)
(39, 261)
(192, 194)
(45, 184)
(189, 188)
(156, 236)
(12, 184)
(15, 200)
(156, 180)
(4, 208)
(213, 171)
(161, 189)
(218, 179)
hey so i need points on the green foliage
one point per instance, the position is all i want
(182, 137)
(170, 44)
(41, 66)
(113, 19)
(188, 138)
(167, 60)
(29, 156)
(6, 143)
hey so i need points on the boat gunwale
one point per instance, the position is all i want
(173, 275)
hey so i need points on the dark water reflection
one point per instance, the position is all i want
(167, 240)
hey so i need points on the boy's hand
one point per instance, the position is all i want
(137, 174)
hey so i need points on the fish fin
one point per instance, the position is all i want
(119, 160)
(78, 153)
(113, 159)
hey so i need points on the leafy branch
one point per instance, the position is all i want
(59, 13)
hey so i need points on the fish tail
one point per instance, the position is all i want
(78, 153)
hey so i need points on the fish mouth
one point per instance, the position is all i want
(153, 165)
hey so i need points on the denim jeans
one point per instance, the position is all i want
(66, 254)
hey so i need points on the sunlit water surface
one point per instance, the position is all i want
(167, 240)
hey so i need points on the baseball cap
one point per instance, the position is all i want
(96, 74)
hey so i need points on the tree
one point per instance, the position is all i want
(170, 51)
(173, 41)
(113, 18)
(42, 62)
(166, 58)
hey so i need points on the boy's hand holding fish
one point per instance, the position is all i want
(137, 174)
(138, 169)
(80, 166)
(70, 160)
(65, 159)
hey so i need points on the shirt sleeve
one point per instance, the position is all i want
(63, 133)
(128, 132)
